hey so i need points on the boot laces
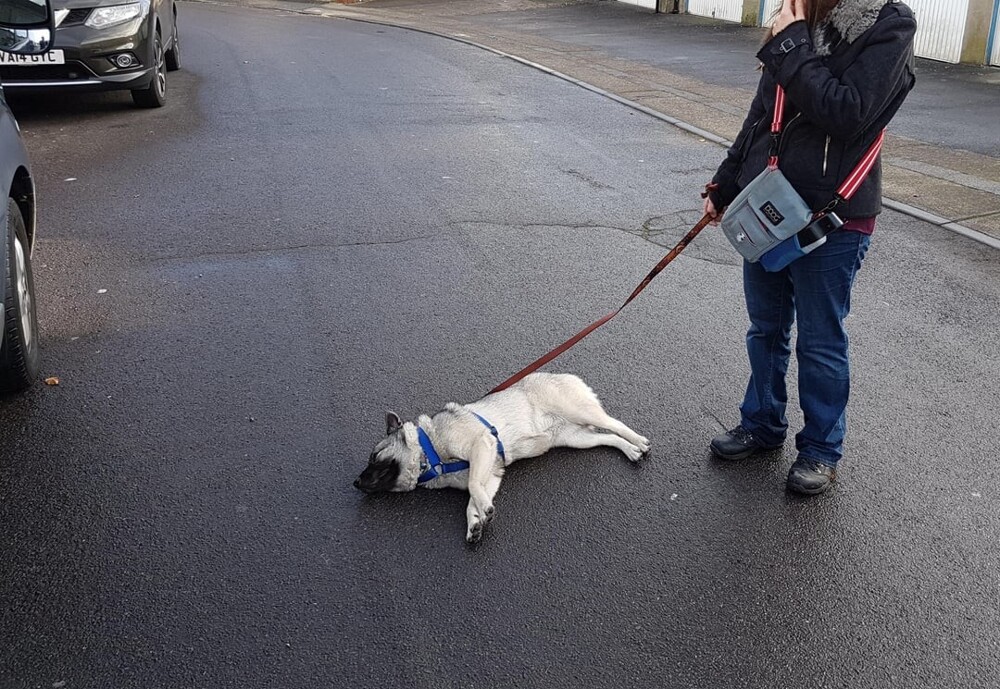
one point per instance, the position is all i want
(743, 435)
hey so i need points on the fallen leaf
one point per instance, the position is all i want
(52, 381)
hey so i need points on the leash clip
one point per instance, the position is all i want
(828, 208)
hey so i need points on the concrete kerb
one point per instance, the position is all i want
(897, 206)
(919, 214)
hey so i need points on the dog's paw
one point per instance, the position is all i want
(475, 532)
(489, 513)
(634, 454)
(644, 445)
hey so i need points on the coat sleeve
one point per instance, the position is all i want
(846, 106)
(727, 174)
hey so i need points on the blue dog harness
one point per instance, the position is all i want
(438, 468)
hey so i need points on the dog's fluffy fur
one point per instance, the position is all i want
(539, 413)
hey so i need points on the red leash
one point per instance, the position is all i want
(664, 262)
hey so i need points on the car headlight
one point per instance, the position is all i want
(103, 17)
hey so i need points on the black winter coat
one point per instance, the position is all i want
(835, 106)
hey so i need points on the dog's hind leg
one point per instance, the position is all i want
(589, 412)
(578, 404)
(612, 424)
(474, 519)
(581, 437)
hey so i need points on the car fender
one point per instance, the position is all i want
(15, 178)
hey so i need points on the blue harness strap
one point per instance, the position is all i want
(437, 468)
(494, 433)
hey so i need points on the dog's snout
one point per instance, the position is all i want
(357, 483)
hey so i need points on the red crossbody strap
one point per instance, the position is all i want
(857, 176)
(860, 171)
(779, 113)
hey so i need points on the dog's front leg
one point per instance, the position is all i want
(482, 466)
(473, 518)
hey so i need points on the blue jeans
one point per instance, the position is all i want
(817, 288)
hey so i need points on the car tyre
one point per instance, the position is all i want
(173, 56)
(154, 95)
(19, 353)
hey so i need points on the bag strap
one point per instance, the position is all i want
(779, 113)
(853, 181)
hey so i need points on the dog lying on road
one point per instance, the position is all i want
(469, 446)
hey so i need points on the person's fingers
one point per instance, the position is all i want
(711, 210)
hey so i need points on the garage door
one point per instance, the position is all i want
(728, 10)
(940, 28)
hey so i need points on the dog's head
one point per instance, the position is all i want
(394, 464)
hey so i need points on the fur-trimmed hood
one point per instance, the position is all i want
(847, 21)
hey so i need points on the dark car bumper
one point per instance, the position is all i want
(88, 54)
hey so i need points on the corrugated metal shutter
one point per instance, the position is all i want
(995, 37)
(727, 10)
(648, 4)
(940, 28)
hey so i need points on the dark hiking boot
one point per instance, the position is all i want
(809, 477)
(738, 443)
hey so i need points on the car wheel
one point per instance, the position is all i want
(19, 356)
(154, 95)
(173, 57)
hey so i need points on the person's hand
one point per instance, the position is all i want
(791, 11)
(710, 210)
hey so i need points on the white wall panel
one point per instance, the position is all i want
(648, 4)
(728, 10)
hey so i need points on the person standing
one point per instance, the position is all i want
(845, 66)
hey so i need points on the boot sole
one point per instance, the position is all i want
(735, 457)
(802, 490)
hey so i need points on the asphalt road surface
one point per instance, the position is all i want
(330, 219)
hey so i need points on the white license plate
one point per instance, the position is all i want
(53, 57)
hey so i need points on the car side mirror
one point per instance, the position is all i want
(26, 26)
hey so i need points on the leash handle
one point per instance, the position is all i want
(664, 262)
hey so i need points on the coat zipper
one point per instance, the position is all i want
(784, 130)
(826, 150)
(746, 143)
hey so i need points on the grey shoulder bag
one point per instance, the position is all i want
(769, 222)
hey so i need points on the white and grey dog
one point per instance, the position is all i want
(468, 446)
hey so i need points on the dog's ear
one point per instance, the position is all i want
(392, 422)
